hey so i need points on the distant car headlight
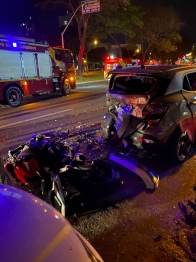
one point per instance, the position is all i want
(91, 252)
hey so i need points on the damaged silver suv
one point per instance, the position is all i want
(153, 108)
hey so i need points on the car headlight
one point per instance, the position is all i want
(89, 249)
(71, 78)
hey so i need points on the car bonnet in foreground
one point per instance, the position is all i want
(32, 230)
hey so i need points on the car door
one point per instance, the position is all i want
(188, 121)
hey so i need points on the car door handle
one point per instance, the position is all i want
(192, 103)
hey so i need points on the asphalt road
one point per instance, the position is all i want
(132, 224)
(49, 112)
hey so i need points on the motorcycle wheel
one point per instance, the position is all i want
(96, 179)
(4, 178)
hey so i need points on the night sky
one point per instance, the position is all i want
(15, 12)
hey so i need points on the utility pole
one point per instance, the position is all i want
(62, 34)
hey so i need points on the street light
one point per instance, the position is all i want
(95, 42)
(62, 34)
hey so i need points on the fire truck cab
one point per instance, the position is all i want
(111, 63)
(29, 67)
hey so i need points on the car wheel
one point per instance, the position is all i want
(13, 96)
(66, 88)
(181, 147)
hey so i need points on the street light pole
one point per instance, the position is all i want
(86, 62)
(62, 34)
(86, 54)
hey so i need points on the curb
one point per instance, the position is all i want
(90, 82)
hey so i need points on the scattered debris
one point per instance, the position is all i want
(157, 238)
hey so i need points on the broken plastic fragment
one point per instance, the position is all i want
(157, 238)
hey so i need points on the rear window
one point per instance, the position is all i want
(134, 84)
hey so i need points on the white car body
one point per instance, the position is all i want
(32, 230)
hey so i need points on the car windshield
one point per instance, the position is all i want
(134, 84)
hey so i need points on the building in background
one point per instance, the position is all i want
(64, 20)
(27, 28)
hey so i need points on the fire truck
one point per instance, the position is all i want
(30, 67)
(111, 63)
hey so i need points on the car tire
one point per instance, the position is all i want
(13, 96)
(180, 147)
(108, 127)
(66, 89)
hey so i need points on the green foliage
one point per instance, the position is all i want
(115, 17)
(168, 44)
(159, 31)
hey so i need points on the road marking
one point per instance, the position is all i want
(35, 118)
(2, 106)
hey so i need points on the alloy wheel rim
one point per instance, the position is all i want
(184, 146)
(13, 96)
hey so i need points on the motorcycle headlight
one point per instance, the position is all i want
(89, 250)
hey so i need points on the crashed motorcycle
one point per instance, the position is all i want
(50, 163)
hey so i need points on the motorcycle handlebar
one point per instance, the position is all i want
(14, 151)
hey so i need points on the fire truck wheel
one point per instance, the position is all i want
(66, 88)
(13, 96)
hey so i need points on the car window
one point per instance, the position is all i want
(134, 84)
(57, 55)
(68, 57)
(189, 82)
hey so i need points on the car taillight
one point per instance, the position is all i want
(155, 113)
(136, 101)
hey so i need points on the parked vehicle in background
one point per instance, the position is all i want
(32, 230)
(153, 108)
(29, 67)
(112, 63)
